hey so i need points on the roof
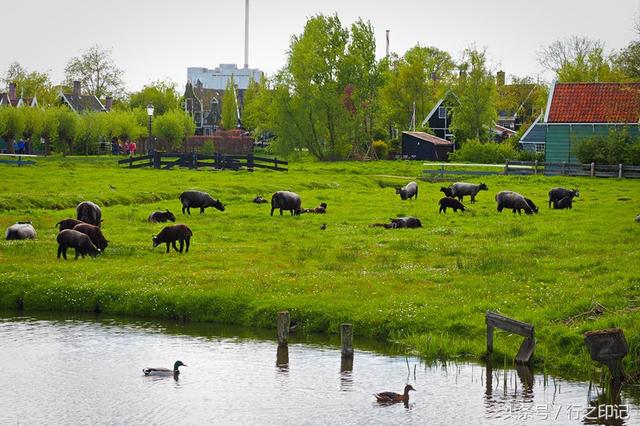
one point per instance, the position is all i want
(429, 138)
(535, 133)
(83, 102)
(594, 103)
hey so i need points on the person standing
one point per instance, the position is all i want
(132, 148)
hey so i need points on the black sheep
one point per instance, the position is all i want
(534, 208)
(161, 217)
(94, 233)
(173, 233)
(451, 203)
(557, 194)
(409, 191)
(89, 212)
(69, 238)
(400, 222)
(198, 199)
(68, 224)
(446, 190)
(286, 200)
(564, 203)
(514, 201)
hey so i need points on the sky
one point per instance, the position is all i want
(159, 39)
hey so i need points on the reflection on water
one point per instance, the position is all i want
(88, 371)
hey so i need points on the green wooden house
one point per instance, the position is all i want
(577, 111)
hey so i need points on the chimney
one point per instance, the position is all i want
(76, 88)
(108, 103)
(388, 43)
(12, 91)
(246, 34)
(500, 78)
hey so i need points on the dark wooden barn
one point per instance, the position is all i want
(423, 146)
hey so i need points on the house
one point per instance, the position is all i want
(535, 136)
(11, 98)
(423, 146)
(83, 103)
(205, 89)
(577, 111)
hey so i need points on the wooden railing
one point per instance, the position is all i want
(513, 167)
(195, 160)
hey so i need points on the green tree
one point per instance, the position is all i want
(174, 127)
(33, 124)
(229, 106)
(67, 125)
(49, 130)
(421, 76)
(30, 84)
(476, 113)
(257, 103)
(125, 125)
(97, 72)
(12, 125)
(90, 132)
(162, 94)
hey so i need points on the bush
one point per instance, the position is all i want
(526, 155)
(487, 153)
(208, 148)
(615, 148)
(381, 148)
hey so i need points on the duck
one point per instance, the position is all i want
(161, 371)
(392, 397)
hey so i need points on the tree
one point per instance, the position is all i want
(257, 102)
(476, 113)
(174, 127)
(421, 76)
(229, 106)
(11, 125)
(628, 61)
(125, 125)
(67, 121)
(162, 94)
(90, 132)
(97, 72)
(579, 59)
(30, 83)
(49, 130)
(34, 124)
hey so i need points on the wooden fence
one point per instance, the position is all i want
(195, 160)
(512, 167)
(16, 159)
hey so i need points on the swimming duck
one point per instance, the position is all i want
(161, 371)
(391, 397)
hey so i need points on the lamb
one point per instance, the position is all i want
(163, 217)
(68, 224)
(286, 200)
(446, 190)
(173, 233)
(321, 209)
(198, 199)
(564, 203)
(557, 194)
(400, 222)
(260, 200)
(451, 203)
(21, 231)
(70, 238)
(513, 200)
(409, 191)
(89, 212)
(460, 189)
(94, 233)
(534, 208)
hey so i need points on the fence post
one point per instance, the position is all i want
(275, 162)
(506, 167)
(194, 160)
(620, 170)
(564, 168)
(535, 167)
(156, 159)
(346, 338)
(593, 169)
(250, 162)
(284, 322)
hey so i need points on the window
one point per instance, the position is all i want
(442, 112)
(539, 147)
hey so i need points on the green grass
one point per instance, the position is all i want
(426, 288)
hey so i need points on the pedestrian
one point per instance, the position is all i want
(21, 146)
(126, 148)
(132, 148)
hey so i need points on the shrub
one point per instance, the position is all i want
(381, 148)
(615, 148)
(208, 148)
(488, 153)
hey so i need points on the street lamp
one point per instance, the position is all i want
(150, 114)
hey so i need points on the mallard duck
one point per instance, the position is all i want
(391, 397)
(161, 371)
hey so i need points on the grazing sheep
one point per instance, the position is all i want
(286, 200)
(171, 234)
(564, 203)
(513, 200)
(557, 194)
(533, 206)
(409, 191)
(70, 238)
(451, 203)
(460, 189)
(89, 212)
(198, 199)
(21, 231)
(68, 224)
(446, 190)
(94, 233)
(400, 222)
(260, 200)
(321, 209)
(163, 217)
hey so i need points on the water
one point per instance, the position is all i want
(88, 371)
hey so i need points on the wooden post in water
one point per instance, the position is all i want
(284, 322)
(525, 352)
(346, 337)
(593, 169)
(489, 338)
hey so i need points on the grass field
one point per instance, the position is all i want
(427, 288)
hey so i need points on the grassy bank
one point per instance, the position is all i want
(427, 288)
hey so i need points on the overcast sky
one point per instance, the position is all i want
(159, 39)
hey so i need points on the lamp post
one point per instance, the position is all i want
(149, 140)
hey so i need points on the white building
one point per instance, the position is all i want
(217, 78)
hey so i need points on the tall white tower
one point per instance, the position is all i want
(246, 34)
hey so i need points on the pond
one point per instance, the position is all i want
(88, 370)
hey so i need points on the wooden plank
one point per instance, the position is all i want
(526, 350)
(510, 325)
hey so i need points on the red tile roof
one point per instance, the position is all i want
(430, 138)
(595, 103)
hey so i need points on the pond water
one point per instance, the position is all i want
(89, 371)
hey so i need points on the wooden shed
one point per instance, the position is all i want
(423, 146)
